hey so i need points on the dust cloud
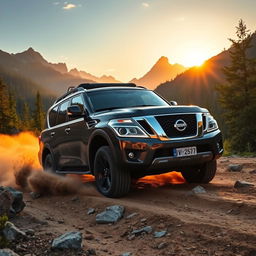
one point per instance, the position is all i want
(20, 168)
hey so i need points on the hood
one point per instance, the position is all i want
(148, 111)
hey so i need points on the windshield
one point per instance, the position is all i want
(124, 98)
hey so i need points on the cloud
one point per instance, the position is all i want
(144, 4)
(68, 6)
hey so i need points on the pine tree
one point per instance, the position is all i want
(39, 113)
(14, 122)
(4, 108)
(238, 94)
(26, 117)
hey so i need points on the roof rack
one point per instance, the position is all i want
(89, 86)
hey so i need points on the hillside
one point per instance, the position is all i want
(161, 72)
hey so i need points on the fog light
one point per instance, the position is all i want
(131, 155)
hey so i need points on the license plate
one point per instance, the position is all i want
(188, 151)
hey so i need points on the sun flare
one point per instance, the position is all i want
(195, 57)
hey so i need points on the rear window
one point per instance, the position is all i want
(62, 115)
(53, 116)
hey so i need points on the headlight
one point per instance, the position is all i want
(127, 128)
(211, 123)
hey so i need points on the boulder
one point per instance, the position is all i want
(235, 168)
(70, 240)
(242, 184)
(18, 203)
(111, 214)
(6, 201)
(12, 233)
(7, 252)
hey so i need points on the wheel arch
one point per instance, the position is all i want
(98, 139)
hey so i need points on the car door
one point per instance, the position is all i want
(79, 135)
(62, 139)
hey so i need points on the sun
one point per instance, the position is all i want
(195, 57)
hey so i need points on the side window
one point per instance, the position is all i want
(62, 116)
(53, 116)
(78, 101)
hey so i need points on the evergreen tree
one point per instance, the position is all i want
(4, 108)
(13, 124)
(238, 94)
(39, 113)
(26, 117)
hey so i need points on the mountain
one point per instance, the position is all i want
(161, 72)
(85, 75)
(31, 65)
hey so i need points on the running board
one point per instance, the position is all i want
(73, 172)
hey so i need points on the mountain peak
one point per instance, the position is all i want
(163, 60)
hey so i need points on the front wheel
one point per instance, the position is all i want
(202, 174)
(111, 181)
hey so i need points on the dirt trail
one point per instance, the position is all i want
(220, 222)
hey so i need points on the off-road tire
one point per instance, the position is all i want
(111, 181)
(201, 174)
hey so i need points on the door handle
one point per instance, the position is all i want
(52, 134)
(67, 130)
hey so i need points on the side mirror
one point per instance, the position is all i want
(75, 111)
(173, 103)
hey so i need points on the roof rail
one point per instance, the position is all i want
(69, 91)
(89, 86)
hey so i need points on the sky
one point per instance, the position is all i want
(123, 38)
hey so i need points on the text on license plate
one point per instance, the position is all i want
(188, 151)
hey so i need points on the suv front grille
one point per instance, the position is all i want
(167, 122)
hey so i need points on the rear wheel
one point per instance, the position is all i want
(48, 164)
(111, 181)
(201, 174)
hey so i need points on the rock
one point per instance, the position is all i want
(30, 232)
(111, 214)
(91, 211)
(90, 252)
(12, 233)
(75, 199)
(70, 240)
(126, 254)
(17, 204)
(160, 234)
(252, 172)
(242, 184)
(132, 215)
(35, 195)
(162, 245)
(7, 252)
(235, 168)
(143, 220)
(198, 190)
(6, 200)
(147, 229)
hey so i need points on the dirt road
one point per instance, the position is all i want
(220, 222)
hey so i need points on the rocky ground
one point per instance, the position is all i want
(159, 218)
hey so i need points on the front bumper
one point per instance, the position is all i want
(154, 154)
